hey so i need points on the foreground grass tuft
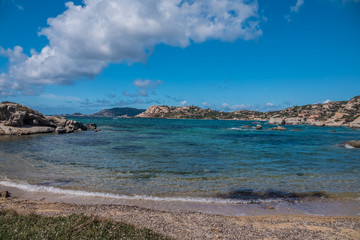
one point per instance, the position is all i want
(15, 226)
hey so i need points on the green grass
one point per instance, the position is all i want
(15, 226)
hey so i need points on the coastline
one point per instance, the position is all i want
(214, 206)
(193, 224)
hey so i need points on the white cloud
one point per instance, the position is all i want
(327, 101)
(294, 9)
(147, 84)
(183, 103)
(143, 87)
(206, 104)
(83, 40)
(297, 6)
(236, 107)
(269, 104)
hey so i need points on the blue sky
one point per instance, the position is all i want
(223, 54)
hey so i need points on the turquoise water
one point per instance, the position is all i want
(188, 158)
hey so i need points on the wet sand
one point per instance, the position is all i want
(185, 224)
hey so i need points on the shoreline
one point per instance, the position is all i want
(224, 207)
(192, 224)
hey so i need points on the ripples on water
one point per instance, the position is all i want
(188, 158)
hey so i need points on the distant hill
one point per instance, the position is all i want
(118, 112)
(342, 113)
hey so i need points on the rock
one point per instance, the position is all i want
(277, 121)
(351, 144)
(339, 115)
(4, 194)
(355, 123)
(60, 130)
(26, 130)
(294, 121)
(313, 122)
(91, 126)
(97, 130)
(17, 119)
(296, 129)
(333, 123)
(246, 126)
(278, 128)
(58, 121)
(259, 127)
(17, 115)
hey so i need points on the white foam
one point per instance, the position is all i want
(348, 146)
(240, 129)
(79, 193)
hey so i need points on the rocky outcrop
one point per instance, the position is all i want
(351, 144)
(277, 121)
(188, 112)
(355, 123)
(334, 114)
(258, 127)
(17, 119)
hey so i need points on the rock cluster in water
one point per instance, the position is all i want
(17, 119)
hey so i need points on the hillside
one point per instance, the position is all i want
(342, 113)
(118, 112)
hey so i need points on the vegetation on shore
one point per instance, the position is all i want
(16, 226)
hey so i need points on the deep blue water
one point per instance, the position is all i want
(188, 158)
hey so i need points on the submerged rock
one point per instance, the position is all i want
(91, 126)
(258, 127)
(278, 128)
(17, 119)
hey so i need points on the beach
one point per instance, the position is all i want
(196, 225)
(191, 179)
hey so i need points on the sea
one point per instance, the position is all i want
(217, 162)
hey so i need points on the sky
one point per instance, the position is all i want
(85, 56)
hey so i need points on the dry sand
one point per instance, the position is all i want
(194, 225)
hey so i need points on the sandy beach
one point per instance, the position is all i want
(196, 225)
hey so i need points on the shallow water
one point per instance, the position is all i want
(196, 159)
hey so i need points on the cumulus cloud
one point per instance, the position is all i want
(327, 101)
(84, 40)
(269, 104)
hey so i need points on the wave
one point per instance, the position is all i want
(348, 146)
(80, 193)
(241, 128)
